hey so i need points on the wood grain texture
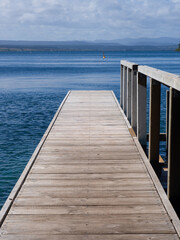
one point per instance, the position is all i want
(89, 181)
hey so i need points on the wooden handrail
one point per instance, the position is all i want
(133, 97)
(168, 79)
(131, 65)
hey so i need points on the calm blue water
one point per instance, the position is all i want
(32, 86)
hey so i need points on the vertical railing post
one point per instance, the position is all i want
(167, 118)
(154, 124)
(125, 90)
(141, 109)
(122, 86)
(129, 94)
(174, 149)
(134, 98)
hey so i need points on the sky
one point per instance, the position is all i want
(66, 20)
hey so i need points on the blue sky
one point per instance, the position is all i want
(88, 19)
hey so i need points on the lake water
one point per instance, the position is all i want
(32, 86)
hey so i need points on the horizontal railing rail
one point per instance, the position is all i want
(166, 78)
(133, 101)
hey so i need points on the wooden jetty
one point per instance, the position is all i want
(89, 178)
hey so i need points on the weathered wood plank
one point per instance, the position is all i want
(89, 169)
(90, 155)
(93, 237)
(173, 149)
(85, 193)
(165, 78)
(90, 176)
(90, 210)
(54, 200)
(89, 224)
(82, 161)
(141, 106)
(154, 124)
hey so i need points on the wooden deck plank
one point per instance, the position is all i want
(54, 192)
(88, 156)
(27, 199)
(93, 237)
(45, 161)
(84, 176)
(88, 224)
(88, 180)
(87, 210)
(88, 168)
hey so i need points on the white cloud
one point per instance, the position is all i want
(93, 19)
(27, 17)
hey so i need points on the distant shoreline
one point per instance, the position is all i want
(126, 44)
(42, 49)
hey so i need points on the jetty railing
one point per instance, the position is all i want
(133, 100)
